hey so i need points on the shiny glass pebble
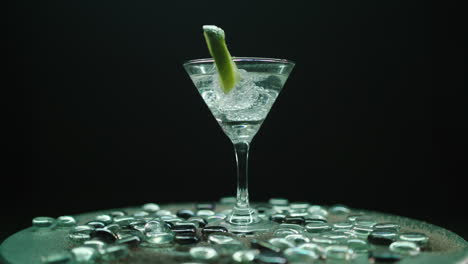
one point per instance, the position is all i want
(160, 239)
(278, 218)
(203, 253)
(419, 238)
(104, 234)
(85, 254)
(338, 252)
(43, 221)
(405, 248)
(155, 227)
(117, 213)
(382, 237)
(263, 246)
(318, 249)
(185, 213)
(317, 210)
(215, 218)
(184, 239)
(124, 220)
(187, 224)
(244, 256)
(220, 239)
(278, 201)
(341, 226)
(270, 257)
(58, 258)
(151, 207)
(212, 229)
(387, 226)
(297, 239)
(315, 219)
(66, 221)
(96, 224)
(294, 220)
(359, 246)
(281, 243)
(205, 212)
(339, 235)
(339, 209)
(300, 255)
(184, 230)
(81, 233)
(106, 219)
(96, 244)
(138, 225)
(114, 252)
(362, 231)
(299, 205)
(283, 232)
(198, 220)
(163, 212)
(365, 221)
(317, 227)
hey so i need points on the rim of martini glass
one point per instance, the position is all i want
(241, 59)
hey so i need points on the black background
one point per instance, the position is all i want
(100, 113)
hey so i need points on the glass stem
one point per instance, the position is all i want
(242, 214)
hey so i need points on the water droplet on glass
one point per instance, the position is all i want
(362, 231)
(244, 256)
(315, 219)
(381, 255)
(317, 210)
(58, 258)
(278, 218)
(205, 206)
(220, 239)
(294, 220)
(66, 221)
(278, 201)
(338, 252)
(43, 221)
(317, 227)
(117, 213)
(130, 240)
(300, 255)
(104, 234)
(203, 253)
(115, 252)
(352, 217)
(81, 233)
(186, 239)
(163, 212)
(283, 232)
(85, 254)
(365, 221)
(96, 244)
(189, 230)
(96, 224)
(215, 218)
(270, 257)
(387, 226)
(281, 243)
(205, 213)
(141, 214)
(124, 220)
(160, 239)
(185, 213)
(299, 205)
(419, 238)
(339, 235)
(212, 229)
(263, 246)
(319, 250)
(405, 248)
(155, 227)
(151, 207)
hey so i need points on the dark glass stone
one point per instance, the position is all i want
(263, 246)
(185, 239)
(299, 220)
(211, 229)
(382, 238)
(384, 256)
(185, 213)
(184, 229)
(131, 241)
(96, 224)
(278, 218)
(104, 235)
(270, 258)
(205, 206)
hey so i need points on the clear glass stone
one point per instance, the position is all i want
(281, 243)
(115, 252)
(338, 252)
(203, 253)
(43, 221)
(244, 256)
(317, 227)
(405, 248)
(419, 238)
(301, 255)
(66, 221)
(151, 207)
(81, 233)
(85, 254)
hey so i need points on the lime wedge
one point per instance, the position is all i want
(227, 69)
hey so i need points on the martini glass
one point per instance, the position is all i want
(240, 113)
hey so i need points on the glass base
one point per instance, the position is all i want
(245, 220)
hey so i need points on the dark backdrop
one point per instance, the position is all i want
(100, 113)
